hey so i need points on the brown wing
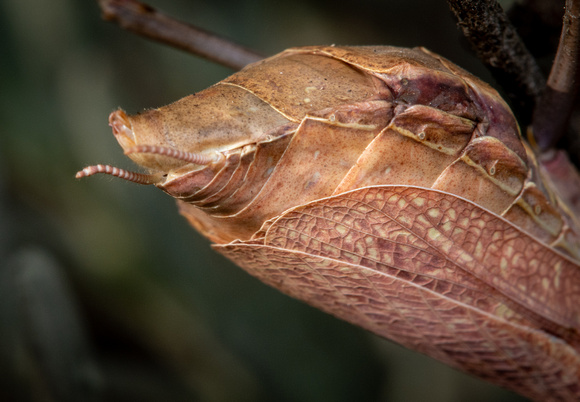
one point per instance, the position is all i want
(435, 273)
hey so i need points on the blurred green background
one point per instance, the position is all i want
(106, 294)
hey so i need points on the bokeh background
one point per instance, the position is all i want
(106, 294)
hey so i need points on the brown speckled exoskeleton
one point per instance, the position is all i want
(388, 187)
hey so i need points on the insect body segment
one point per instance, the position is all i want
(285, 131)
(394, 116)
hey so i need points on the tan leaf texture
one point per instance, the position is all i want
(406, 264)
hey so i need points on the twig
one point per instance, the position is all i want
(552, 114)
(146, 21)
(499, 47)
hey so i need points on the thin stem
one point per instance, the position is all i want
(500, 48)
(555, 107)
(146, 21)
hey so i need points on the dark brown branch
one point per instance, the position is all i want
(553, 112)
(499, 47)
(146, 21)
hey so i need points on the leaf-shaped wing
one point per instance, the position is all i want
(435, 273)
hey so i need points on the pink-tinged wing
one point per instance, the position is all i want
(435, 273)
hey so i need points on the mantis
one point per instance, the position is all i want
(565, 321)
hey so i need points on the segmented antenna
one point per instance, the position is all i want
(191, 157)
(139, 178)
